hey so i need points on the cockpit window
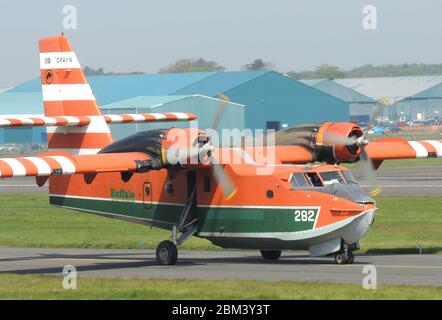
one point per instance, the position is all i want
(331, 177)
(314, 179)
(348, 176)
(298, 180)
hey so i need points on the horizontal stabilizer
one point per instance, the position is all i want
(71, 121)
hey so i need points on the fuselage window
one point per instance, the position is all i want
(314, 179)
(331, 177)
(298, 180)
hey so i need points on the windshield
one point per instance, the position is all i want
(314, 179)
(348, 176)
(298, 180)
(331, 177)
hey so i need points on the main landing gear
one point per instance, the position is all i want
(345, 255)
(167, 251)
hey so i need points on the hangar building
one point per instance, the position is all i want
(204, 107)
(406, 98)
(264, 99)
(361, 106)
(272, 100)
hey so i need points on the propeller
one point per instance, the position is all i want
(222, 178)
(370, 174)
(204, 150)
(367, 164)
(381, 103)
(219, 110)
(360, 142)
(219, 173)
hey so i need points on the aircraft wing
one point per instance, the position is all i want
(397, 148)
(71, 121)
(61, 163)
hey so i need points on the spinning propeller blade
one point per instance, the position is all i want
(220, 175)
(222, 178)
(370, 174)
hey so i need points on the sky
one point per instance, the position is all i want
(147, 35)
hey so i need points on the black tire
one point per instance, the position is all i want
(271, 254)
(341, 258)
(351, 258)
(167, 253)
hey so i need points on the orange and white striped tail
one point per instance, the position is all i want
(67, 93)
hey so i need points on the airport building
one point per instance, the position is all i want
(405, 98)
(204, 107)
(257, 100)
(361, 106)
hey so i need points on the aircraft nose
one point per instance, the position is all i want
(352, 192)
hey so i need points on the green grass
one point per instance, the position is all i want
(29, 221)
(50, 287)
(402, 224)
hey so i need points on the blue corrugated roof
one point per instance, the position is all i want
(220, 82)
(144, 101)
(338, 90)
(108, 89)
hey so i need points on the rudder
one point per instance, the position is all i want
(66, 92)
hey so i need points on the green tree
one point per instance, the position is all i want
(329, 72)
(192, 65)
(88, 71)
(258, 65)
(324, 71)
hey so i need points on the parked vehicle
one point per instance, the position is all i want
(10, 148)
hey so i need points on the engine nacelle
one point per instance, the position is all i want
(330, 142)
(164, 146)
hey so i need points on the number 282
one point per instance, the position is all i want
(304, 215)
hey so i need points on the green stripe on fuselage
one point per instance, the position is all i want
(213, 219)
(164, 213)
(232, 220)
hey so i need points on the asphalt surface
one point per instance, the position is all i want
(393, 181)
(423, 181)
(21, 185)
(390, 269)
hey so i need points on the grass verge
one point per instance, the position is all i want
(50, 287)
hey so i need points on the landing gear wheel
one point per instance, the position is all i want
(167, 253)
(340, 258)
(271, 254)
(344, 258)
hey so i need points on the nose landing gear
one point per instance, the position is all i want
(344, 258)
(345, 255)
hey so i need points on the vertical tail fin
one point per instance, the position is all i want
(66, 92)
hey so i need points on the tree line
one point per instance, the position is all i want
(322, 72)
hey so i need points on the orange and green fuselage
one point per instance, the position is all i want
(264, 208)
